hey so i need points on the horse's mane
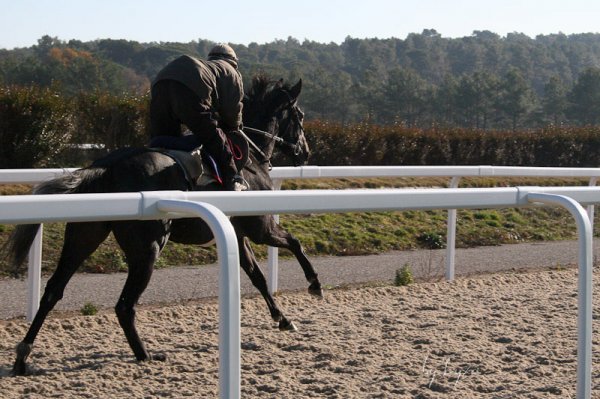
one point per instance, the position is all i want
(262, 86)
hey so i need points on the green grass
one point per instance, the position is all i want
(356, 233)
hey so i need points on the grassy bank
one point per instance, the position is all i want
(357, 233)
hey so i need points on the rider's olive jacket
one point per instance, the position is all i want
(217, 83)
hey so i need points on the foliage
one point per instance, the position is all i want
(41, 128)
(89, 309)
(481, 81)
(35, 126)
(431, 240)
(404, 276)
(114, 121)
(368, 144)
(585, 97)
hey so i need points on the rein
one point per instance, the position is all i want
(253, 144)
(272, 137)
(277, 139)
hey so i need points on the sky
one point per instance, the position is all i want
(23, 22)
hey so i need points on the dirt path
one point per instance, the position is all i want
(175, 285)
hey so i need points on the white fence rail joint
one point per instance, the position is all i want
(584, 305)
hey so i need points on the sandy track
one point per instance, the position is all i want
(508, 335)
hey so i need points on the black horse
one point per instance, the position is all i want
(268, 107)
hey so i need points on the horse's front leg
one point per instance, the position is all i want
(142, 243)
(250, 266)
(276, 236)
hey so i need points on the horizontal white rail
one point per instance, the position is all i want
(151, 205)
(455, 172)
(21, 209)
(314, 172)
(30, 176)
(25, 176)
(279, 174)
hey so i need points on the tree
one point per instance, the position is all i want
(474, 99)
(514, 96)
(554, 102)
(404, 97)
(584, 98)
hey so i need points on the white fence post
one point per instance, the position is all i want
(229, 290)
(273, 253)
(34, 275)
(451, 236)
(590, 208)
(584, 303)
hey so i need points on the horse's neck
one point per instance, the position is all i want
(265, 145)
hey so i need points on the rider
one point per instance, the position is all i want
(206, 96)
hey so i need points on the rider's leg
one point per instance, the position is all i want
(196, 114)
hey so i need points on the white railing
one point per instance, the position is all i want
(130, 206)
(279, 174)
(155, 205)
(455, 173)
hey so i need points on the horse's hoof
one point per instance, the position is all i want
(20, 366)
(316, 291)
(159, 357)
(19, 369)
(285, 325)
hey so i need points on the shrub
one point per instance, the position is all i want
(431, 240)
(366, 144)
(404, 276)
(114, 121)
(89, 309)
(35, 126)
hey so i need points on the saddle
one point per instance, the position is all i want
(199, 168)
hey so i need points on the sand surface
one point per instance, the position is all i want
(506, 335)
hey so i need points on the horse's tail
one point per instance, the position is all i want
(21, 238)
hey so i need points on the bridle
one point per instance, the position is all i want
(295, 147)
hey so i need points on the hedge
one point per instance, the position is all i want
(363, 144)
(39, 128)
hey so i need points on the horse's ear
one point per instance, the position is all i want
(295, 91)
(279, 83)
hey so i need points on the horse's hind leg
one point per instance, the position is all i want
(250, 266)
(81, 240)
(142, 243)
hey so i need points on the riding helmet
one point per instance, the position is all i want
(222, 51)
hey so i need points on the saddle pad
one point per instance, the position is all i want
(189, 162)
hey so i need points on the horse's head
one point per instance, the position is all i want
(274, 108)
